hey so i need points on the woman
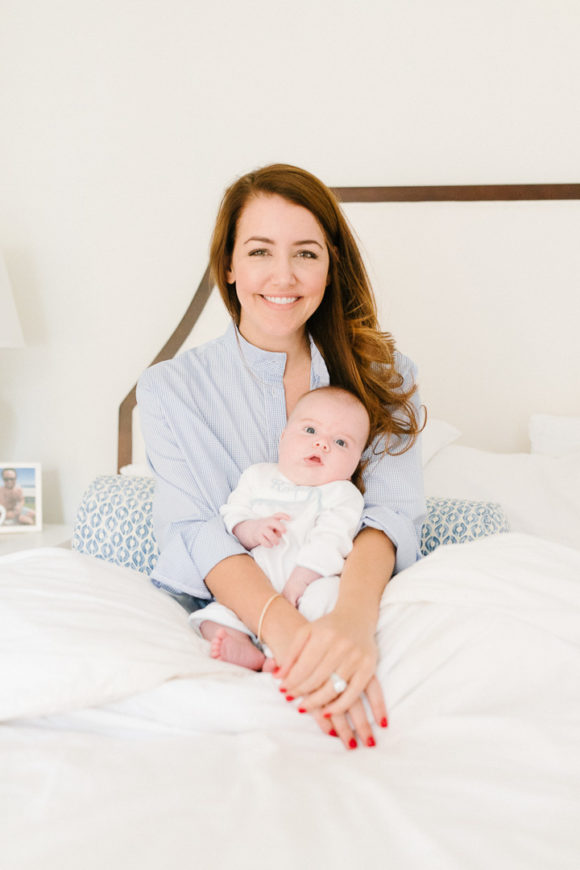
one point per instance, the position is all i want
(292, 279)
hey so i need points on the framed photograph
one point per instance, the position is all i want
(20, 497)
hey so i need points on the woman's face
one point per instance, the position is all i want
(280, 267)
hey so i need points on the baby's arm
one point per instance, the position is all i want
(295, 586)
(265, 531)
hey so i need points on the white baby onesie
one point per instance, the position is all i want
(324, 520)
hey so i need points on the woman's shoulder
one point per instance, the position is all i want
(405, 366)
(206, 356)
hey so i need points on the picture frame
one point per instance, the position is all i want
(20, 497)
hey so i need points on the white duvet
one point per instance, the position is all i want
(124, 745)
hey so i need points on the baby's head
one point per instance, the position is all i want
(324, 438)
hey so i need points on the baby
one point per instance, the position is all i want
(297, 517)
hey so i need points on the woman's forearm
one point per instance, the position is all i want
(366, 573)
(239, 583)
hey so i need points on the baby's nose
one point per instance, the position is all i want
(321, 443)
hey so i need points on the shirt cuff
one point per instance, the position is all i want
(213, 543)
(400, 530)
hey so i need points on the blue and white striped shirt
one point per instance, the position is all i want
(210, 413)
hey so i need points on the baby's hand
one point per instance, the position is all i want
(266, 531)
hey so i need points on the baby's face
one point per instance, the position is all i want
(323, 439)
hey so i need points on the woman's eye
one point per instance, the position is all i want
(307, 255)
(310, 430)
(259, 252)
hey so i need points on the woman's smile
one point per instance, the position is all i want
(281, 300)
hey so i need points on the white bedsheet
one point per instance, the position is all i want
(480, 765)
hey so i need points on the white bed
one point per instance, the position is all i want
(124, 745)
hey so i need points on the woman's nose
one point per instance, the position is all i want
(283, 272)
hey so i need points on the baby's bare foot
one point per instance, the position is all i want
(269, 665)
(238, 650)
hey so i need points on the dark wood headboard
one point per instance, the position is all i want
(459, 193)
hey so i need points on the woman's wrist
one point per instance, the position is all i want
(366, 573)
(279, 626)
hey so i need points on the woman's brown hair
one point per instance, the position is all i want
(358, 355)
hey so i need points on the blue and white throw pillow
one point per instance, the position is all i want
(457, 521)
(114, 522)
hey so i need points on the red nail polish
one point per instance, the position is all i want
(352, 743)
(327, 715)
(384, 722)
(275, 672)
(371, 741)
(302, 709)
(332, 733)
(289, 697)
(281, 689)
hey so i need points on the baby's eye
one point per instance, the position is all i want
(341, 442)
(310, 430)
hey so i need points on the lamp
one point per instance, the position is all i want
(10, 330)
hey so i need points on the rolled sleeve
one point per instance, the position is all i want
(190, 551)
(394, 491)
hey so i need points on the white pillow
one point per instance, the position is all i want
(436, 435)
(76, 631)
(136, 470)
(554, 436)
(539, 494)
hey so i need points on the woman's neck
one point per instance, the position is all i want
(297, 374)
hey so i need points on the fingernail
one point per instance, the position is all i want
(289, 697)
(384, 722)
(302, 709)
(281, 689)
(332, 733)
(371, 741)
(276, 671)
(352, 743)
(327, 715)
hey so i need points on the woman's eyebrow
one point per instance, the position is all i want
(266, 241)
(308, 242)
(259, 239)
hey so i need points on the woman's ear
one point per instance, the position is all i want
(230, 275)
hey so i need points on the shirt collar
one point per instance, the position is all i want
(272, 363)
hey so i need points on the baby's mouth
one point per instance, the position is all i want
(314, 460)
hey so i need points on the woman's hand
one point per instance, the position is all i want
(335, 645)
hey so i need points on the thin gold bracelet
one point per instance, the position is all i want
(262, 615)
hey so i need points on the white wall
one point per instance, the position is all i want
(123, 120)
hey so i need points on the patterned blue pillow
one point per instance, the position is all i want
(114, 522)
(457, 521)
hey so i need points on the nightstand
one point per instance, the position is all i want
(52, 535)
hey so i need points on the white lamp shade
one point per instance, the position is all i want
(10, 330)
